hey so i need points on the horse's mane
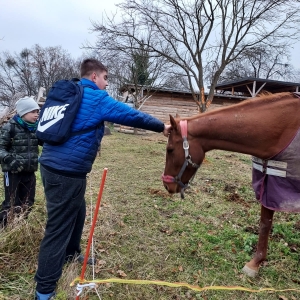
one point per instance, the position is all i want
(263, 97)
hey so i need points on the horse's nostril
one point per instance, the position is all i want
(166, 187)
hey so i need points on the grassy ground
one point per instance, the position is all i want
(144, 233)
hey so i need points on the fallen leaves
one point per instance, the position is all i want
(121, 273)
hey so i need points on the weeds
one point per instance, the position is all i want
(249, 243)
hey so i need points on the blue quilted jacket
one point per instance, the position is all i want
(76, 156)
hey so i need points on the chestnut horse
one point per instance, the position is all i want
(266, 127)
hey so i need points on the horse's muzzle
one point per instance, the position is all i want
(167, 179)
(170, 184)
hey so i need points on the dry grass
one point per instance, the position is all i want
(144, 233)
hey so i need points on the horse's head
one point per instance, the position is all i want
(183, 157)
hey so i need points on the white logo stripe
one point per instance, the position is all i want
(56, 112)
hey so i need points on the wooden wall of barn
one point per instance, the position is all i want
(162, 104)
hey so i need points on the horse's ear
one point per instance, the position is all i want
(173, 122)
(177, 116)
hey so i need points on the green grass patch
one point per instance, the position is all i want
(142, 232)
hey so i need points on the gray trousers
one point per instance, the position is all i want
(66, 215)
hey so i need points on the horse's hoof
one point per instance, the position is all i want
(249, 272)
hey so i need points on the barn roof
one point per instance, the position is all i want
(251, 86)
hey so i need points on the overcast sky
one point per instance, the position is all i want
(65, 23)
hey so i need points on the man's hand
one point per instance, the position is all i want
(167, 130)
(14, 164)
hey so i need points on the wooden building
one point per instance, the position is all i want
(163, 102)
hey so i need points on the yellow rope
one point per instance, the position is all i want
(179, 284)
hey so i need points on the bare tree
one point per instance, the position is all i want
(133, 66)
(261, 62)
(24, 73)
(9, 85)
(199, 36)
(52, 64)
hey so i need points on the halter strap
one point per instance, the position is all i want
(183, 126)
(188, 160)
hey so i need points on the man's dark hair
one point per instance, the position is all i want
(90, 65)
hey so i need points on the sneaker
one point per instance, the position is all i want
(91, 260)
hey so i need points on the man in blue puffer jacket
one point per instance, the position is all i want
(64, 169)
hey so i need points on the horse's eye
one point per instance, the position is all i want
(170, 150)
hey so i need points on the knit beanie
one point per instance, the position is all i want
(26, 105)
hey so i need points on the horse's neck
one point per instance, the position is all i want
(260, 128)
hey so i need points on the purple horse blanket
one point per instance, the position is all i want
(276, 182)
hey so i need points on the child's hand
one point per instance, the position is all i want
(14, 164)
(167, 130)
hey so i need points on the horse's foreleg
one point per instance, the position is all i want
(251, 268)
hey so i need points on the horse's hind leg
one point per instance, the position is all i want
(266, 219)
